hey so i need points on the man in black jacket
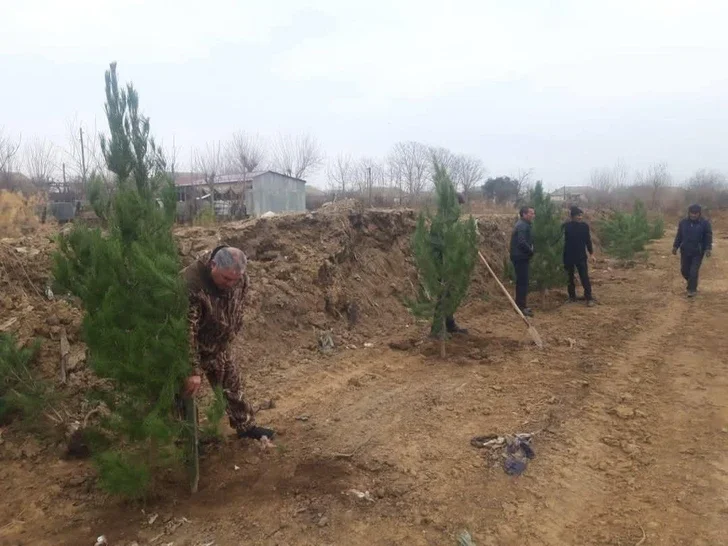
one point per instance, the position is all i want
(694, 239)
(577, 242)
(521, 254)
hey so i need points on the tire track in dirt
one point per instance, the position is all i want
(626, 468)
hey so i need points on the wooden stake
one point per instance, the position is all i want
(65, 353)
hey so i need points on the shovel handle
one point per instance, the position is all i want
(505, 291)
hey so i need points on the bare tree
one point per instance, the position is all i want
(246, 153)
(620, 174)
(41, 161)
(602, 180)
(8, 149)
(709, 188)
(411, 161)
(523, 182)
(656, 177)
(340, 173)
(210, 163)
(170, 154)
(467, 173)
(298, 155)
(445, 158)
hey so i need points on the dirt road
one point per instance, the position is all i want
(629, 399)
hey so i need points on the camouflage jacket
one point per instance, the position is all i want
(215, 316)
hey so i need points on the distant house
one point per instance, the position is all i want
(571, 194)
(259, 192)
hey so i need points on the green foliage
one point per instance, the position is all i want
(658, 228)
(214, 413)
(501, 189)
(22, 394)
(445, 250)
(124, 474)
(547, 267)
(625, 234)
(98, 196)
(205, 218)
(135, 323)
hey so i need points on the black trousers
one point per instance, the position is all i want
(521, 268)
(583, 270)
(437, 319)
(690, 267)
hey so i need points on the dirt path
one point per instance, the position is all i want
(630, 398)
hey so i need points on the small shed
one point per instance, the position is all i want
(270, 191)
(259, 191)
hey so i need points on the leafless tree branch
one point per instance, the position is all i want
(246, 153)
(8, 149)
(467, 173)
(41, 161)
(297, 156)
(210, 163)
(340, 173)
(410, 162)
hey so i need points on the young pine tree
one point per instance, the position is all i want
(135, 303)
(547, 268)
(445, 250)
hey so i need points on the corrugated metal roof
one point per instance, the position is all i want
(191, 179)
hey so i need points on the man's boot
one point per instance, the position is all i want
(452, 327)
(527, 312)
(256, 433)
(692, 293)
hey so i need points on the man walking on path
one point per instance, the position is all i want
(577, 242)
(694, 239)
(217, 284)
(521, 254)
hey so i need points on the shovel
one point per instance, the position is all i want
(531, 329)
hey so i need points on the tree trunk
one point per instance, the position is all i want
(443, 337)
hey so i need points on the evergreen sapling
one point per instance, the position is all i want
(135, 303)
(445, 250)
(547, 268)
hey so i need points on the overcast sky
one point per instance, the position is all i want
(559, 87)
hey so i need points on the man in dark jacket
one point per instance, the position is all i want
(577, 242)
(694, 239)
(521, 254)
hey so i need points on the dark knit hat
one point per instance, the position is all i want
(576, 211)
(695, 209)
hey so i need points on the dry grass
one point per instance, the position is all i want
(17, 214)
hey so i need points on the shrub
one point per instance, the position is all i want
(625, 234)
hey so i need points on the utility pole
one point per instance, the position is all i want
(83, 163)
(64, 177)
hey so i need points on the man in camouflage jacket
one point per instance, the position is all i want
(217, 283)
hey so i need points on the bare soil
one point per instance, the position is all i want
(628, 403)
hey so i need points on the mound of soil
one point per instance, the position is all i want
(342, 268)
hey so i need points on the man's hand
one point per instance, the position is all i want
(674, 251)
(707, 253)
(593, 259)
(192, 385)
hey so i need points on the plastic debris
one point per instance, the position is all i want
(363, 495)
(465, 539)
